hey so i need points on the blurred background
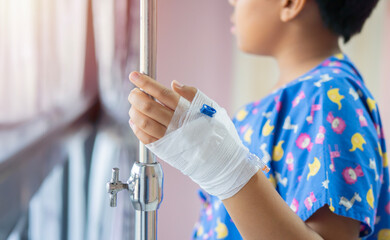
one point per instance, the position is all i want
(64, 69)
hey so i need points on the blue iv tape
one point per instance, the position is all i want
(207, 110)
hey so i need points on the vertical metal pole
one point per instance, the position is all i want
(146, 221)
(146, 180)
(148, 51)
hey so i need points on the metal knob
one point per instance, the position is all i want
(115, 186)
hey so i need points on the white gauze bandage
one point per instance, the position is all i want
(207, 149)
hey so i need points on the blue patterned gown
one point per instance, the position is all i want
(321, 135)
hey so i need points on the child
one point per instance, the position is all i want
(319, 132)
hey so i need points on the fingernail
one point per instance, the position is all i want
(135, 76)
(131, 123)
(179, 85)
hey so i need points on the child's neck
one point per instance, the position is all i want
(303, 56)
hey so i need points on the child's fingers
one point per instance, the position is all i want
(184, 91)
(141, 135)
(165, 95)
(149, 107)
(146, 124)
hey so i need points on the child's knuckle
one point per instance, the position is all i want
(149, 140)
(144, 84)
(131, 113)
(144, 123)
(137, 133)
(164, 92)
(147, 107)
(162, 133)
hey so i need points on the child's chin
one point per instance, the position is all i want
(244, 48)
(253, 51)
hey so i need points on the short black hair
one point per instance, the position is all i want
(345, 17)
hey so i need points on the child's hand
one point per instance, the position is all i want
(149, 119)
(204, 146)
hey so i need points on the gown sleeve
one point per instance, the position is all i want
(333, 155)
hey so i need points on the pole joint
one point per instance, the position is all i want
(145, 186)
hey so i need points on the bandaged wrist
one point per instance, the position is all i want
(207, 149)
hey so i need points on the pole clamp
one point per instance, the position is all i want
(144, 184)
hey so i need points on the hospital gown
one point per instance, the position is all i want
(321, 135)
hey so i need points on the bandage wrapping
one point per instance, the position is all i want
(207, 149)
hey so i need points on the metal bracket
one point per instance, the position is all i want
(115, 186)
(145, 186)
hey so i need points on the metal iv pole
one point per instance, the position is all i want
(146, 179)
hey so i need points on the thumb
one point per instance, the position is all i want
(184, 91)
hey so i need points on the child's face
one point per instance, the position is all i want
(257, 25)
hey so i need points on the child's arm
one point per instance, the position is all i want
(257, 209)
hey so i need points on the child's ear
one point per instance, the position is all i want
(291, 9)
